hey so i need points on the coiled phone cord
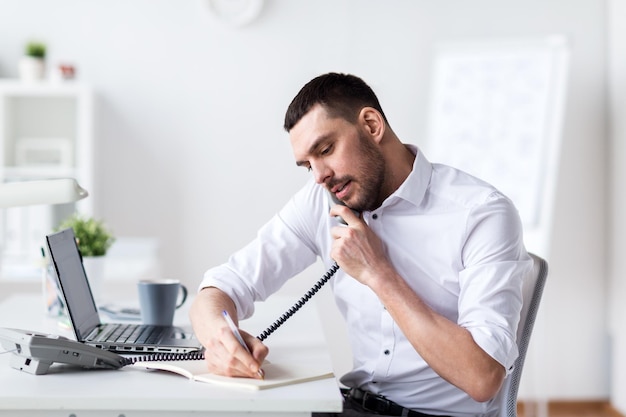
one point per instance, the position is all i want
(199, 354)
(163, 356)
(302, 301)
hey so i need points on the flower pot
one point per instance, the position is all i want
(32, 69)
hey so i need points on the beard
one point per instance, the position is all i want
(370, 176)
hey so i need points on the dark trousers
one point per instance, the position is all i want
(352, 408)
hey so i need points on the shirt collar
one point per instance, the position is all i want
(414, 187)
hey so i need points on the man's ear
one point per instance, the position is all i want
(372, 121)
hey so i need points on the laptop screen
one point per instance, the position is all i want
(73, 282)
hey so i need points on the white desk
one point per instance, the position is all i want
(71, 392)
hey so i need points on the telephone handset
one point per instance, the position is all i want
(34, 352)
(335, 200)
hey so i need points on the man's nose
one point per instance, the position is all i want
(321, 172)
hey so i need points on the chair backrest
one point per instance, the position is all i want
(532, 291)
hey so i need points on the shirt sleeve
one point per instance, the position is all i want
(282, 248)
(495, 264)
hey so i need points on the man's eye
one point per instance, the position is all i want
(309, 169)
(326, 150)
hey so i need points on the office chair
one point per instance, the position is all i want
(531, 292)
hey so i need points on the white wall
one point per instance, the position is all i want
(617, 150)
(189, 113)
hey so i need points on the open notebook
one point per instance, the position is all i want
(276, 375)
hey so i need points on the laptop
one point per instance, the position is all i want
(84, 317)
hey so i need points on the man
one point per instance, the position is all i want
(431, 269)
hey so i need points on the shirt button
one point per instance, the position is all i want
(374, 216)
(386, 352)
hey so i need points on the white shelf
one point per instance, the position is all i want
(55, 121)
(13, 87)
(32, 173)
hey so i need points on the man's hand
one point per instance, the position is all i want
(223, 352)
(356, 248)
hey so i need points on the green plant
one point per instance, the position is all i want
(36, 49)
(92, 236)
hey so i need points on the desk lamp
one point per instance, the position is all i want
(53, 191)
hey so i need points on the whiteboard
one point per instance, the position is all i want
(496, 111)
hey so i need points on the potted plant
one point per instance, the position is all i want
(32, 64)
(92, 236)
(94, 240)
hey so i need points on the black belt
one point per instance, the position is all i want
(379, 404)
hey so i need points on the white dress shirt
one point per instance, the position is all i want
(457, 242)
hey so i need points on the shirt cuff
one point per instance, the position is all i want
(501, 348)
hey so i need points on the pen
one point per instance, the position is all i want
(235, 331)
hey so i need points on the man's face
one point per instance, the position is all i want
(341, 157)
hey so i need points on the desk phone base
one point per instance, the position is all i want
(34, 352)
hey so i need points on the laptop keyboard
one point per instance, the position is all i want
(131, 333)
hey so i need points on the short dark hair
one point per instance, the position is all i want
(342, 95)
